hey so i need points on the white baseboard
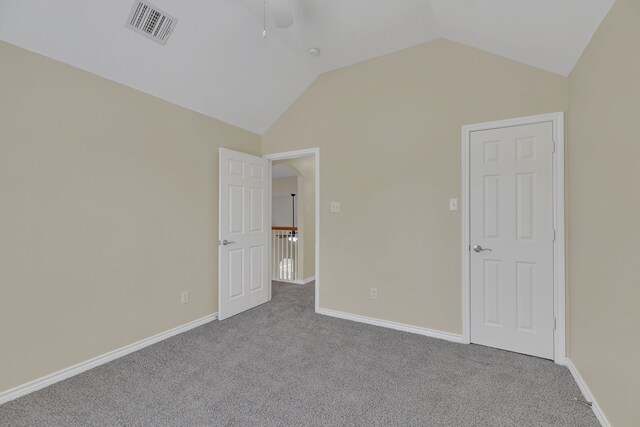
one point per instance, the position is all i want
(298, 282)
(63, 374)
(587, 394)
(393, 325)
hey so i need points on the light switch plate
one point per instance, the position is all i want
(453, 204)
(184, 297)
(335, 207)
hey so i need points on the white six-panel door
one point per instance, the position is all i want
(244, 233)
(511, 235)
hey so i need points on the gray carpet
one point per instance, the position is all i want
(281, 364)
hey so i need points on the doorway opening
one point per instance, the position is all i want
(295, 217)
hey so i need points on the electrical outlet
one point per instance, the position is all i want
(453, 204)
(184, 297)
(335, 207)
(373, 293)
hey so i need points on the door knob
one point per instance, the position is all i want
(479, 248)
(226, 242)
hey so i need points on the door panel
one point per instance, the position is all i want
(257, 256)
(491, 206)
(256, 225)
(525, 295)
(492, 292)
(511, 211)
(525, 204)
(243, 263)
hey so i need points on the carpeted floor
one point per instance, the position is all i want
(281, 364)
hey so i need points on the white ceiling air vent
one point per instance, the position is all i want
(150, 21)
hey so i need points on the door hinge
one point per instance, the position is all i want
(554, 235)
(554, 146)
(555, 324)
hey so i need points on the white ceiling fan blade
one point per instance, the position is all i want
(282, 13)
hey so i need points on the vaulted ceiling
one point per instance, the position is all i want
(217, 63)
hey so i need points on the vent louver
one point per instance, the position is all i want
(151, 21)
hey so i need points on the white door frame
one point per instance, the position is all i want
(557, 119)
(308, 152)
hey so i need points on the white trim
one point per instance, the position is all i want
(559, 243)
(63, 374)
(299, 282)
(392, 325)
(557, 119)
(308, 152)
(269, 222)
(587, 393)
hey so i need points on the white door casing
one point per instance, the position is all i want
(244, 232)
(511, 216)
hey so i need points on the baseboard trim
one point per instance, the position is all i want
(587, 393)
(298, 282)
(393, 325)
(63, 374)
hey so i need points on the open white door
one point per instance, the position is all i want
(511, 238)
(244, 233)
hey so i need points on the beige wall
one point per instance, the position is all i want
(284, 186)
(108, 209)
(389, 136)
(281, 191)
(604, 212)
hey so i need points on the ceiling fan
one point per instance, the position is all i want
(282, 14)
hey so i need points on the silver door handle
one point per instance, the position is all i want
(479, 248)
(226, 242)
